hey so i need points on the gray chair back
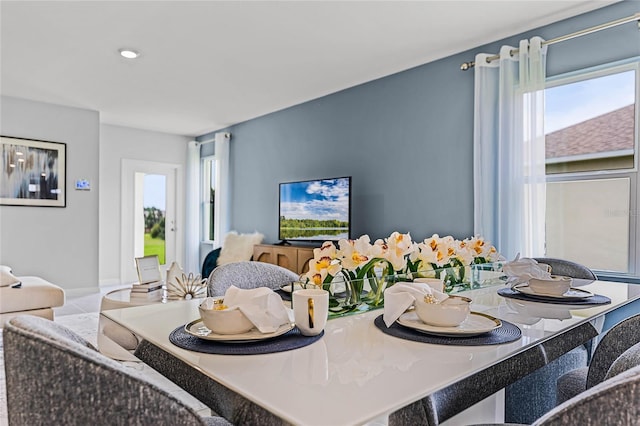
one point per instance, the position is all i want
(54, 376)
(248, 275)
(535, 394)
(567, 268)
(615, 401)
(629, 359)
(620, 338)
(615, 342)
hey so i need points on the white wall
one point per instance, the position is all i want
(58, 244)
(118, 143)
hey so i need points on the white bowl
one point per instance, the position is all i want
(223, 320)
(451, 312)
(557, 285)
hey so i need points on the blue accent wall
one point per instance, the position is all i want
(406, 139)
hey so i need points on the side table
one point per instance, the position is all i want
(114, 340)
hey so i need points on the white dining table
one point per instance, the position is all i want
(356, 373)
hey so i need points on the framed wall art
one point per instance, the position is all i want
(32, 172)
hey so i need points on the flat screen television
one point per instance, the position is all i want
(315, 210)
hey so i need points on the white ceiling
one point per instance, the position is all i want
(209, 64)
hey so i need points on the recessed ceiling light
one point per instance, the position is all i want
(129, 53)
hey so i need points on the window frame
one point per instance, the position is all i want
(631, 173)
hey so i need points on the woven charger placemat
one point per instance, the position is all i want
(507, 333)
(292, 339)
(596, 299)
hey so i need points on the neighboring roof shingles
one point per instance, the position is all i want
(608, 132)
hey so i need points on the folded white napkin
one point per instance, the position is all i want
(522, 270)
(399, 297)
(261, 306)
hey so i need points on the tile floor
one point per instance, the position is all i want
(82, 302)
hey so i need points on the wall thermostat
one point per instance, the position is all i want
(83, 185)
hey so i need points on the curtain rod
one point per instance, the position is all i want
(468, 65)
(213, 139)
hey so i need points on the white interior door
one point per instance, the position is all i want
(150, 193)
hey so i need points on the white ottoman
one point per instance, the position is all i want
(34, 297)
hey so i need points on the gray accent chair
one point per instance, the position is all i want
(248, 275)
(616, 401)
(617, 340)
(54, 376)
(567, 268)
(628, 360)
(535, 394)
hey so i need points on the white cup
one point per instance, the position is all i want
(311, 310)
(434, 283)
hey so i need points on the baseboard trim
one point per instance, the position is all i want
(110, 282)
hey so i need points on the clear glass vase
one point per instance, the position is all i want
(460, 278)
(377, 285)
(348, 296)
(454, 278)
(345, 296)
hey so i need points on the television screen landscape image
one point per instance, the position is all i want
(315, 210)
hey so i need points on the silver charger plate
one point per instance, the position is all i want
(573, 293)
(477, 323)
(197, 328)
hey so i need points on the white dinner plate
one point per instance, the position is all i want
(474, 325)
(572, 294)
(198, 329)
(287, 287)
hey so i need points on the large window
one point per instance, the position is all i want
(208, 197)
(591, 162)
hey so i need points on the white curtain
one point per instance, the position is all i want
(223, 195)
(509, 150)
(192, 222)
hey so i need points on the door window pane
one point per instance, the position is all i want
(154, 203)
(588, 222)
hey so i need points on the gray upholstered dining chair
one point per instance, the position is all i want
(535, 394)
(567, 268)
(247, 275)
(54, 376)
(620, 338)
(615, 401)
(628, 360)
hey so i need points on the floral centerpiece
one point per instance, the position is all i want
(450, 259)
(355, 263)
